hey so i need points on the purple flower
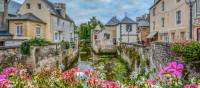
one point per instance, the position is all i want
(173, 68)
(9, 70)
(2, 77)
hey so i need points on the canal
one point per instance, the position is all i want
(108, 65)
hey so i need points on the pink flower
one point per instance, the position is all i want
(9, 70)
(4, 83)
(151, 82)
(162, 70)
(192, 85)
(2, 77)
(92, 80)
(173, 68)
(110, 84)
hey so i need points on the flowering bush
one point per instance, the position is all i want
(190, 52)
(19, 77)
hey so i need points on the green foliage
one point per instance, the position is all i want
(65, 44)
(133, 54)
(85, 28)
(25, 46)
(178, 48)
(189, 51)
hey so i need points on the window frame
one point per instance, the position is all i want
(19, 30)
(163, 6)
(129, 26)
(39, 6)
(163, 22)
(179, 17)
(28, 6)
(36, 31)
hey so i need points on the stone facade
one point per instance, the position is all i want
(58, 26)
(40, 56)
(170, 19)
(155, 55)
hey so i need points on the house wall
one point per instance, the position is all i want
(169, 14)
(43, 14)
(112, 30)
(65, 27)
(28, 28)
(143, 33)
(129, 37)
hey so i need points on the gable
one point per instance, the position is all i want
(42, 13)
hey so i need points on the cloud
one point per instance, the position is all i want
(82, 10)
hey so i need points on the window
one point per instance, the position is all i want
(173, 36)
(19, 31)
(183, 37)
(63, 24)
(39, 6)
(198, 8)
(71, 37)
(37, 31)
(178, 17)
(58, 21)
(163, 21)
(163, 6)
(154, 11)
(154, 25)
(165, 37)
(128, 28)
(56, 36)
(28, 6)
(107, 36)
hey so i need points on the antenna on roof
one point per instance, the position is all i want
(125, 14)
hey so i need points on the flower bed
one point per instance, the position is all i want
(173, 76)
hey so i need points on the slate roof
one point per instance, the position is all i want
(27, 16)
(13, 7)
(127, 20)
(113, 21)
(53, 11)
(143, 23)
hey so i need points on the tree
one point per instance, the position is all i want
(85, 28)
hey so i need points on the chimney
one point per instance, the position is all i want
(61, 8)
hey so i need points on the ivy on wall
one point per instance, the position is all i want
(25, 46)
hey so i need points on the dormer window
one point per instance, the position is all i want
(163, 6)
(28, 6)
(39, 6)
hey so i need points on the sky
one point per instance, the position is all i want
(82, 10)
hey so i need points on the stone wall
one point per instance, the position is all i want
(50, 55)
(155, 55)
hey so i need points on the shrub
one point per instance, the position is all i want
(64, 44)
(189, 51)
(25, 46)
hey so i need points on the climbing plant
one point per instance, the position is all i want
(65, 44)
(25, 46)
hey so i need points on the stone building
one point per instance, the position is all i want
(5, 13)
(143, 27)
(196, 20)
(128, 31)
(124, 31)
(56, 24)
(169, 21)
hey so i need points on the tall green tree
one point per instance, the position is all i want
(85, 28)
